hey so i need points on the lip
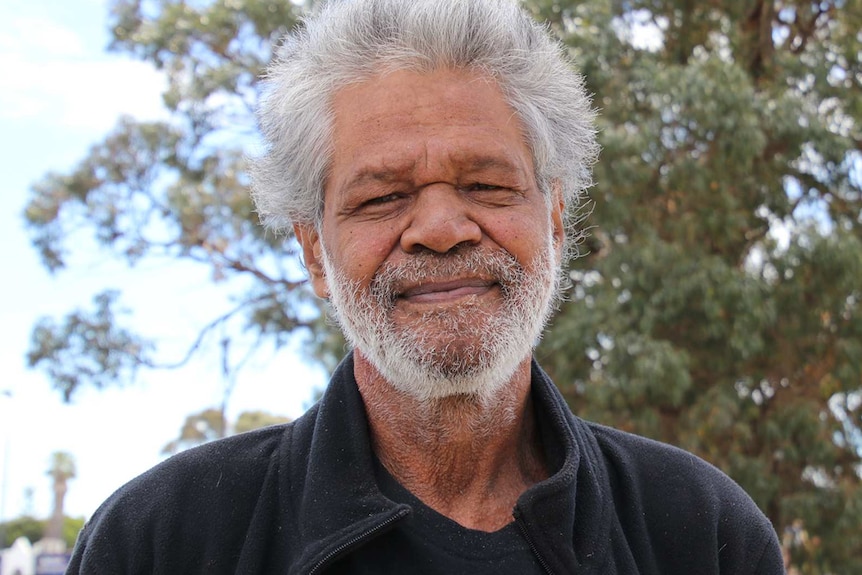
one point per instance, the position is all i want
(444, 291)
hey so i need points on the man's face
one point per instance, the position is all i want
(437, 249)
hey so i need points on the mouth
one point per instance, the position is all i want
(445, 291)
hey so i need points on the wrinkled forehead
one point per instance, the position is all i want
(399, 122)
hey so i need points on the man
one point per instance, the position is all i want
(430, 156)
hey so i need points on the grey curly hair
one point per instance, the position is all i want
(349, 41)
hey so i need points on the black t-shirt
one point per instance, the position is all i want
(428, 543)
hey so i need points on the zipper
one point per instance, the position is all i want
(402, 513)
(526, 535)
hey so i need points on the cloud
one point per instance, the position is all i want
(49, 77)
(39, 35)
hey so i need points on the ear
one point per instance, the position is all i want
(312, 255)
(558, 209)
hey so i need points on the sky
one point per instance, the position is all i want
(60, 93)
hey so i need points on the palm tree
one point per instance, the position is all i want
(61, 471)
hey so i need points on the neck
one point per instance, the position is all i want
(467, 459)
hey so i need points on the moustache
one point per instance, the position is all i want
(486, 264)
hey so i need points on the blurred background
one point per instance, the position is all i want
(62, 92)
(716, 305)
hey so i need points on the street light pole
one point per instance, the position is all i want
(5, 477)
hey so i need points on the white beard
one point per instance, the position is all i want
(467, 350)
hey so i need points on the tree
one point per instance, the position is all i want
(34, 530)
(61, 471)
(250, 420)
(212, 423)
(173, 190)
(717, 306)
(25, 526)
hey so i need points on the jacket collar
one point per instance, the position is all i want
(330, 483)
(567, 517)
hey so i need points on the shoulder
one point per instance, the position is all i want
(684, 506)
(636, 459)
(210, 469)
(177, 512)
(659, 472)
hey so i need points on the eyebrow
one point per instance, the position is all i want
(373, 175)
(480, 163)
(471, 163)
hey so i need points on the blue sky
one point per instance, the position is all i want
(60, 93)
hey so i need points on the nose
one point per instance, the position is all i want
(440, 221)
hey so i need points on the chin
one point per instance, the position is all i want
(440, 374)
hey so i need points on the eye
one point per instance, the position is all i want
(481, 187)
(492, 194)
(381, 205)
(381, 200)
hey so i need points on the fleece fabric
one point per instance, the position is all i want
(297, 498)
(431, 543)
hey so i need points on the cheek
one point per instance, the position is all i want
(521, 235)
(364, 250)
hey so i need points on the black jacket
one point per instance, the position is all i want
(292, 498)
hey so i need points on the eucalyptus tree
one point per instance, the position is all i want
(717, 306)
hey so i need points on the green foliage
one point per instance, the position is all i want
(718, 307)
(34, 530)
(71, 527)
(89, 346)
(250, 420)
(174, 190)
(211, 423)
(62, 467)
(26, 526)
(198, 428)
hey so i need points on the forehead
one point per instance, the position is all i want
(400, 120)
